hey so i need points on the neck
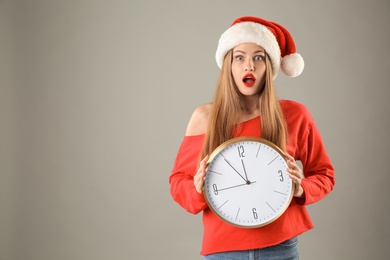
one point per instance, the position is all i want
(251, 105)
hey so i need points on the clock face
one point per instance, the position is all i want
(247, 183)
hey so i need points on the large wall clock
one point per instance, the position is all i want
(247, 183)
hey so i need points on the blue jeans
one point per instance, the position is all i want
(288, 250)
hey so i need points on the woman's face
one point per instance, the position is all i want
(248, 68)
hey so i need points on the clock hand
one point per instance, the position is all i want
(235, 169)
(246, 176)
(235, 186)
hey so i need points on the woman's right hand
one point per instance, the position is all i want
(200, 175)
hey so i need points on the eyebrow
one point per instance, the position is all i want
(259, 51)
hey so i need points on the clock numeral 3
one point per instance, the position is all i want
(281, 179)
(255, 216)
(241, 151)
(215, 189)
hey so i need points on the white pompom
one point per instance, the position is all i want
(292, 65)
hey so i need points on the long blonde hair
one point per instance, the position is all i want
(229, 103)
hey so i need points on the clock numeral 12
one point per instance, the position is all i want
(241, 151)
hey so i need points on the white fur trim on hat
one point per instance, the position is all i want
(249, 32)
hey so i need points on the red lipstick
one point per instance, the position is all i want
(249, 80)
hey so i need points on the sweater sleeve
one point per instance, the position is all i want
(318, 170)
(182, 177)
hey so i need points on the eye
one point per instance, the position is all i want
(258, 58)
(239, 57)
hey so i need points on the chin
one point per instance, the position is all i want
(249, 91)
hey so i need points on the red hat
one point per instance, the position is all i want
(274, 38)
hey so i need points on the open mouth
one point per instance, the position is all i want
(249, 80)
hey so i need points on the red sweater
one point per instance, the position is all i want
(304, 143)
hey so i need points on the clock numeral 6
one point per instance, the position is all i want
(215, 189)
(281, 179)
(255, 216)
(241, 151)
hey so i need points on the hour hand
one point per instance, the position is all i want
(246, 176)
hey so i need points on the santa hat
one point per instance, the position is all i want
(274, 38)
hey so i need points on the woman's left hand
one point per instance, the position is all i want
(296, 176)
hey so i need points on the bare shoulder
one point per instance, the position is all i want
(199, 119)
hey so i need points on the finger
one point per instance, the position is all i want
(291, 161)
(200, 175)
(293, 164)
(203, 163)
(296, 173)
(198, 182)
(295, 177)
(293, 170)
(296, 181)
(290, 157)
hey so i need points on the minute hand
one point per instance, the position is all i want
(235, 170)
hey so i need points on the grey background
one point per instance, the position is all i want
(95, 97)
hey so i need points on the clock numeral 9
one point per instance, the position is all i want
(215, 189)
(241, 151)
(255, 216)
(281, 179)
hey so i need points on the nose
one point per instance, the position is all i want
(249, 66)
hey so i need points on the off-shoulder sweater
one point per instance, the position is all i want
(304, 144)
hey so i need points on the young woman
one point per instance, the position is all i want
(250, 54)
